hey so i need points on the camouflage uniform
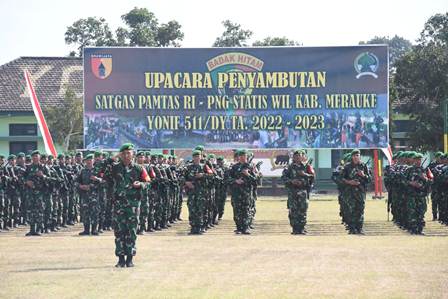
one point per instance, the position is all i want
(90, 208)
(297, 195)
(126, 205)
(355, 196)
(196, 196)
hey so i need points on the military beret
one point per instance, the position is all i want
(438, 154)
(199, 148)
(28, 157)
(418, 156)
(140, 154)
(98, 154)
(78, 154)
(160, 155)
(444, 156)
(2, 156)
(174, 156)
(43, 156)
(196, 153)
(153, 156)
(220, 158)
(88, 157)
(211, 156)
(12, 157)
(148, 153)
(355, 152)
(68, 156)
(127, 146)
(36, 152)
(21, 155)
(299, 152)
(50, 157)
(105, 155)
(61, 156)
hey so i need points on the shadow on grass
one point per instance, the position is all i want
(61, 269)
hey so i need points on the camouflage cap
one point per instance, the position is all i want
(127, 146)
(89, 157)
(355, 152)
(438, 154)
(299, 152)
(242, 152)
(36, 152)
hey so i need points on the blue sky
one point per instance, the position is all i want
(36, 28)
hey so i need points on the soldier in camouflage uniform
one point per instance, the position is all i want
(418, 188)
(129, 180)
(297, 181)
(88, 183)
(242, 181)
(195, 187)
(35, 184)
(3, 184)
(221, 188)
(336, 176)
(435, 196)
(442, 185)
(20, 172)
(144, 206)
(12, 193)
(355, 176)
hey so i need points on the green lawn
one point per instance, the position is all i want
(385, 263)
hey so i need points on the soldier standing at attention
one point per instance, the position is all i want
(297, 180)
(195, 188)
(356, 177)
(129, 180)
(35, 182)
(242, 181)
(88, 183)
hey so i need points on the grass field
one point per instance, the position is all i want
(327, 263)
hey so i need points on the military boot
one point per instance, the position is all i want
(121, 262)
(129, 262)
(94, 230)
(32, 230)
(86, 230)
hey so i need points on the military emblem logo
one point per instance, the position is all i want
(101, 65)
(366, 64)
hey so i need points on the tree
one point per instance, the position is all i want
(422, 84)
(398, 46)
(92, 31)
(233, 36)
(142, 29)
(67, 130)
(275, 42)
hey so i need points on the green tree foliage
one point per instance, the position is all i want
(398, 46)
(275, 42)
(141, 28)
(67, 130)
(92, 31)
(422, 83)
(233, 36)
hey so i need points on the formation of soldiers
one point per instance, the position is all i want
(352, 177)
(409, 183)
(206, 183)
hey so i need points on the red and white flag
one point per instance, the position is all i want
(388, 153)
(48, 141)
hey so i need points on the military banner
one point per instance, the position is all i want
(224, 98)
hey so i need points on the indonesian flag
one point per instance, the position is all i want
(388, 153)
(48, 141)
